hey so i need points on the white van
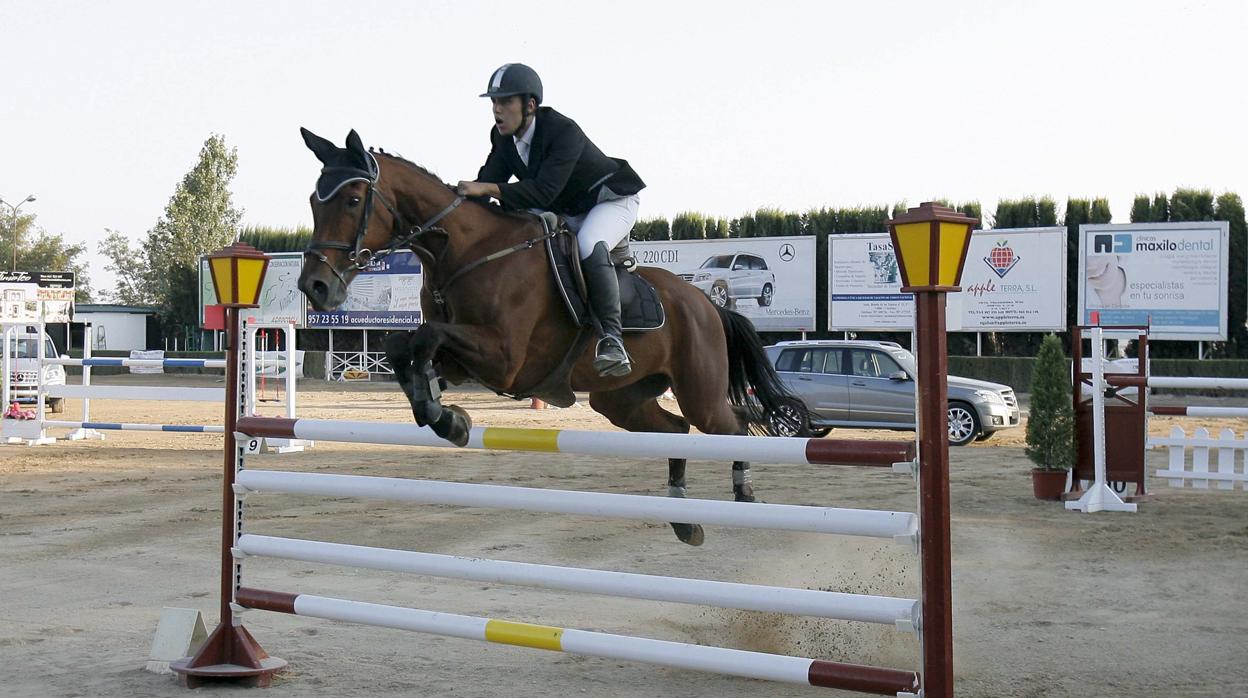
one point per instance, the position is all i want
(23, 371)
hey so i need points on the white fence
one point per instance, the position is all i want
(1229, 466)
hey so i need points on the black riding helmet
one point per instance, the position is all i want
(514, 79)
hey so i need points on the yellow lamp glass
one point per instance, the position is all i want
(238, 274)
(914, 243)
(223, 279)
(954, 239)
(250, 276)
(931, 242)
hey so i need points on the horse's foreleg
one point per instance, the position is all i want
(411, 357)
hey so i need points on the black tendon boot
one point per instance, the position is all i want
(610, 359)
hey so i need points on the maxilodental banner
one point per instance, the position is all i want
(1169, 276)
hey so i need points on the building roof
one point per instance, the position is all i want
(84, 308)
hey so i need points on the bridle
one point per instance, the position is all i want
(359, 255)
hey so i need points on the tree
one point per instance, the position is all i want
(130, 267)
(39, 250)
(1051, 418)
(1230, 208)
(689, 226)
(270, 239)
(199, 218)
(652, 229)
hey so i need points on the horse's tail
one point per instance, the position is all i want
(753, 386)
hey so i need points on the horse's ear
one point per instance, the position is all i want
(355, 145)
(321, 147)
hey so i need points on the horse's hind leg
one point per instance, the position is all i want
(711, 413)
(635, 408)
(687, 533)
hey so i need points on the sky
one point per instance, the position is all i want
(722, 107)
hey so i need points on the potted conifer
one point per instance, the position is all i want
(1050, 422)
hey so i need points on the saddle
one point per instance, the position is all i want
(640, 307)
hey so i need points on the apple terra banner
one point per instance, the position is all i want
(1014, 281)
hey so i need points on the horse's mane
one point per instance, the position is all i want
(491, 208)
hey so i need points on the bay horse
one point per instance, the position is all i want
(491, 313)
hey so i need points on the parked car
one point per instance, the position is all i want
(727, 278)
(24, 367)
(862, 384)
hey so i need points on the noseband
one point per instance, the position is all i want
(359, 255)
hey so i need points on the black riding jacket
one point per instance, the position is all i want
(565, 173)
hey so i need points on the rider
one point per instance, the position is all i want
(559, 169)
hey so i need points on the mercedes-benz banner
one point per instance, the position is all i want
(1169, 276)
(1014, 280)
(771, 281)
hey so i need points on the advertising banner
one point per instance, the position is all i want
(771, 281)
(281, 301)
(1014, 280)
(864, 285)
(1170, 276)
(383, 296)
(36, 296)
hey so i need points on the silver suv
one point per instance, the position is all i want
(727, 278)
(861, 384)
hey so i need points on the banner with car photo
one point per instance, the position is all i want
(771, 281)
(1169, 276)
(1014, 281)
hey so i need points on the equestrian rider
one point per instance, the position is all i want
(559, 169)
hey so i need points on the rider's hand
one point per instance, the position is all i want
(475, 189)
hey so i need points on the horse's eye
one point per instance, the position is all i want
(353, 202)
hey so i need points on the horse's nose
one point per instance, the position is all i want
(317, 292)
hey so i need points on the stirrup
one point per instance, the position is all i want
(611, 359)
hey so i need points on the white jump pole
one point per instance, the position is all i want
(88, 344)
(900, 526)
(5, 391)
(1098, 497)
(273, 444)
(747, 597)
(1197, 383)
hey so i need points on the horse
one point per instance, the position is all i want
(491, 313)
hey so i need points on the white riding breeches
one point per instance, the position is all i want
(609, 221)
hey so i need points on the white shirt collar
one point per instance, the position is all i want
(527, 138)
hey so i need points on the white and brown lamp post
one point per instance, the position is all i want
(230, 653)
(931, 242)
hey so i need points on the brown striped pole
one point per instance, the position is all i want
(230, 653)
(801, 670)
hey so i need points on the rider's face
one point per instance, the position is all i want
(509, 115)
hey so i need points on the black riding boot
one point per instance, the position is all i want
(610, 359)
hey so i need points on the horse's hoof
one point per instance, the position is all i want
(689, 533)
(461, 426)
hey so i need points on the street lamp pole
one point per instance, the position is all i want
(28, 199)
(931, 242)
